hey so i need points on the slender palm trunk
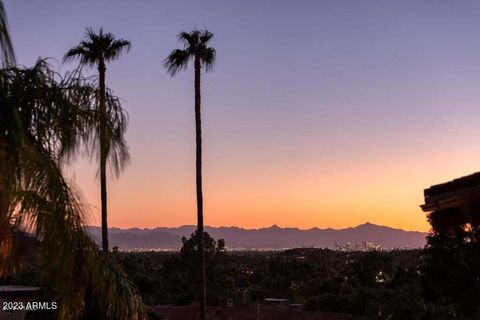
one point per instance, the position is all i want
(5, 185)
(103, 154)
(4, 219)
(202, 294)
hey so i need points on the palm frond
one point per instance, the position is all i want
(176, 61)
(205, 37)
(81, 52)
(96, 47)
(189, 39)
(115, 129)
(100, 47)
(51, 113)
(208, 58)
(7, 53)
(117, 48)
(195, 46)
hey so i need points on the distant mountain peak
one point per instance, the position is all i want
(367, 225)
(267, 237)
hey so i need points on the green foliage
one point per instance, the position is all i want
(189, 257)
(213, 250)
(95, 50)
(172, 279)
(43, 118)
(451, 272)
(98, 48)
(323, 280)
(438, 283)
(195, 47)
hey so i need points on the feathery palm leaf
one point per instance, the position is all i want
(107, 142)
(195, 45)
(7, 53)
(116, 122)
(43, 119)
(96, 47)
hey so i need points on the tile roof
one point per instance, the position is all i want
(465, 182)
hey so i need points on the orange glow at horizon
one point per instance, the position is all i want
(322, 115)
(385, 190)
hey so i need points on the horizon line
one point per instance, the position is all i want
(259, 228)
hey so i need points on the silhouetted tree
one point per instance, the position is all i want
(95, 51)
(214, 251)
(196, 48)
(189, 253)
(43, 118)
(451, 271)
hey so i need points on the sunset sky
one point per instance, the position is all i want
(318, 113)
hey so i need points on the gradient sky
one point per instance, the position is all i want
(318, 113)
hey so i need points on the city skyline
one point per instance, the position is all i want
(319, 115)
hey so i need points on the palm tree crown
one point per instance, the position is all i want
(44, 117)
(195, 47)
(97, 48)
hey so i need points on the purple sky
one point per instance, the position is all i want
(311, 103)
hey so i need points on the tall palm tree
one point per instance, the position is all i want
(7, 53)
(7, 57)
(43, 119)
(96, 51)
(195, 47)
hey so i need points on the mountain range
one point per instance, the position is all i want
(273, 237)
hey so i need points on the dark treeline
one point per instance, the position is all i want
(368, 285)
(439, 282)
(359, 283)
(48, 119)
